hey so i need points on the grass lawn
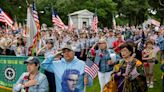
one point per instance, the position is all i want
(157, 83)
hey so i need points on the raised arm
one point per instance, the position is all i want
(38, 52)
(48, 64)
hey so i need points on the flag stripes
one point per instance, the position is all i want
(35, 16)
(92, 71)
(4, 18)
(31, 26)
(36, 19)
(95, 23)
(56, 20)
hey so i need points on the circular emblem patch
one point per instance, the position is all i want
(9, 73)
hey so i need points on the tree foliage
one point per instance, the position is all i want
(133, 11)
(158, 5)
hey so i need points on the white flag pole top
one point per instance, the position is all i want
(70, 21)
(114, 22)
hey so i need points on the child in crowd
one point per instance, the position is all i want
(148, 56)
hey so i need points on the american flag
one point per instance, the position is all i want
(56, 20)
(95, 23)
(4, 18)
(35, 15)
(36, 19)
(91, 68)
(31, 25)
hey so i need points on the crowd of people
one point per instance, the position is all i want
(133, 49)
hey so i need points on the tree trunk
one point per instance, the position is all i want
(135, 20)
(162, 20)
(130, 21)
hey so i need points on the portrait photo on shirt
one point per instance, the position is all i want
(69, 80)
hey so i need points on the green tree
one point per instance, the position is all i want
(15, 9)
(134, 10)
(158, 5)
(103, 8)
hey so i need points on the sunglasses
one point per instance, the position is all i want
(101, 43)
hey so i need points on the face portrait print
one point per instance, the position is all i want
(69, 80)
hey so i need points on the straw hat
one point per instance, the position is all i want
(102, 40)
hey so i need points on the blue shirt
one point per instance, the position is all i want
(102, 60)
(41, 86)
(59, 67)
(160, 42)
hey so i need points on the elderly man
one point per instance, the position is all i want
(68, 62)
(32, 80)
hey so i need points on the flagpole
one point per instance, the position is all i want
(96, 8)
(27, 48)
(15, 18)
(52, 10)
(28, 4)
(85, 85)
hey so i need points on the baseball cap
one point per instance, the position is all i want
(32, 60)
(69, 47)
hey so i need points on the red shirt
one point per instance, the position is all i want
(116, 45)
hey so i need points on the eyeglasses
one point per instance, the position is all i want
(74, 80)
